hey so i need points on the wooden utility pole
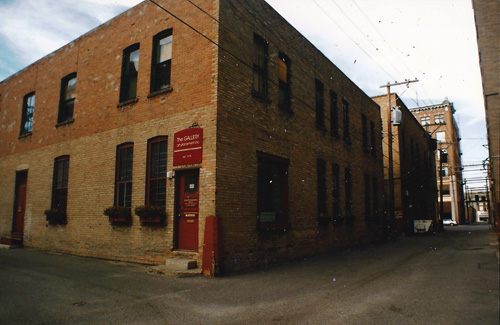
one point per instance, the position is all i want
(390, 187)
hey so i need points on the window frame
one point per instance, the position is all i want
(368, 200)
(321, 187)
(150, 179)
(157, 67)
(364, 131)
(319, 92)
(279, 168)
(27, 114)
(438, 119)
(127, 76)
(373, 142)
(348, 195)
(284, 86)
(66, 105)
(334, 117)
(425, 120)
(345, 112)
(60, 183)
(260, 74)
(337, 212)
(127, 183)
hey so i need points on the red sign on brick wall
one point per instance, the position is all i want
(188, 146)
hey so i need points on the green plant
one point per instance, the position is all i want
(151, 213)
(56, 216)
(118, 214)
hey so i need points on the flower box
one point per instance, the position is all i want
(151, 214)
(56, 216)
(119, 215)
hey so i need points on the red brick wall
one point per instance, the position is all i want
(99, 126)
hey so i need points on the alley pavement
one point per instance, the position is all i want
(447, 278)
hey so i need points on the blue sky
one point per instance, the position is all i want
(372, 42)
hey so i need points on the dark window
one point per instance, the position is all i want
(272, 191)
(375, 196)
(337, 214)
(348, 193)
(67, 98)
(156, 190)
(334, 118)
(123, 186)
(321, 176)
(345, 111)
(284, 82)
(373, 145)
(130, 68)
(260, 66)
(320, 105)
(364, 129)
(162, 61)
(60, 183)
(28, 110)
(368, 208)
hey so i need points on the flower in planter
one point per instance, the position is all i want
(118, 214)
(151, 213)
(56, 216)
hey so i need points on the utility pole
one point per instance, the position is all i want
(390, 186)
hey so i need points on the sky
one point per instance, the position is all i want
(372, 42)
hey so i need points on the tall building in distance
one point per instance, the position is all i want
(486, 13)
(438, 120)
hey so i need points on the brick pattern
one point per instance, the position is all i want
(247, 124)
(415, 182)
(211, 87)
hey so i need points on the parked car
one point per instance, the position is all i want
(449, 222)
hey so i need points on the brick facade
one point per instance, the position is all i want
(211, 87)
(414, 166)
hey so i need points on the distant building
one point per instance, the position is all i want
(415, 189)
(477, 203)
(438, 120)
(147, 119)
(487, 13)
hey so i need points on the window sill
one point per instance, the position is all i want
(273, 226)
(128, 102)
(261, 97)
(160, 92)
(25, 135)
(67, 122)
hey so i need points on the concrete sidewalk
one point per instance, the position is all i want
(448, 278)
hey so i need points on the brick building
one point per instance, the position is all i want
(439, 121)
(486, 14)
(414, 167)
(208, 112)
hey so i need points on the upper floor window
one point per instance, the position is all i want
(441, 136)
(334, 118)
(123, 179)
(67, 98)
(345, 110)
(162, 60)
(425, 120)
(284, 82)
(130, 68)
(27, 114)
(373, 146)
(364, 131)
(320, 105)
(156, 191)
(439, 119)
(260, 66)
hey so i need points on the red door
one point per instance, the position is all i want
(188, 207)
(20, 207)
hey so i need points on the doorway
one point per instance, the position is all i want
(187, 207)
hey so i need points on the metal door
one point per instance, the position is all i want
(188, 208)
